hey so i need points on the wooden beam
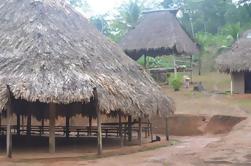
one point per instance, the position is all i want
(8, 134)
(130, 128)
(120, 130)
(140, 132)
(167, 130)
(96, 102)
(52, 112)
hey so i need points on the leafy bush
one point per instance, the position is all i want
(175, 81)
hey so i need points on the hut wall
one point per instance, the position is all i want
(238, 82)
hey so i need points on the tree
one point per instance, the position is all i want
(172, 3)
(244, 1)
(128, 15)
(79, 3)
(101, 24)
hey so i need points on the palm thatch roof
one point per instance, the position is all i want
(50, 54)
(238, 58)
(158, 33)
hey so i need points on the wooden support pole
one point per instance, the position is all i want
(167, 131)
(23, 124)
(120, 130)
(98, 121)
(140, 132)
(67, 125)
(29, 123)
(191, 67)
(151, 132)
(90, 126)
(52, 112)
(18, 124)
(148, 128)
(0, 119)
(42, 126)
(8, 134)
(125, 128)
(130, 128)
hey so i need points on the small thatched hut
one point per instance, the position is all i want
(53, 63)
(236, 61)
(158, 33)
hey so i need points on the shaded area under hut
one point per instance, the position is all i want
(236, 61)
(159, 33)
(54, 64)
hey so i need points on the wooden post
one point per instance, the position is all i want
(67, 125)
(90, 126)
(125, 127)
(191, 68)
(29, 123)
(231, 84)
(22, 123)
(98, 121)
(18, 124)
(148, 128)
(130, 128)
(174, 66)
(167, 131)
(140, 132)
(151, 131)
(42, 126)
(0, 119)
(120, 130)
(8, 134)
(52, 112)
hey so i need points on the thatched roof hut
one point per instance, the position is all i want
(158, 33)
(49, 53)
(236, 61)
(237, 58)
(52, 61)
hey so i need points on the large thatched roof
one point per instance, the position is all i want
(238, 58)
(49, 53)
(158, 33)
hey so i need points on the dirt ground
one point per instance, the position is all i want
(231, 149)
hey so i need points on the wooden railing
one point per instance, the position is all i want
(108, 129)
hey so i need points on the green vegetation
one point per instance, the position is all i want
(176, 81)
(164, 61)
(214, 24)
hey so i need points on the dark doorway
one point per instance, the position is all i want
(247, 78)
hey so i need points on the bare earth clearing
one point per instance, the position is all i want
(233, 148)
